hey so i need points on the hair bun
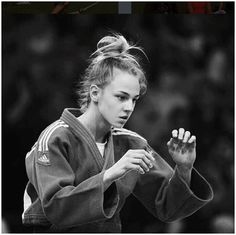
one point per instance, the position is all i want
(112, 44)
(115, 46)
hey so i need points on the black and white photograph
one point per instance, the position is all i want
(117, 117)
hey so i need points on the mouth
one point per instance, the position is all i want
(124, 118)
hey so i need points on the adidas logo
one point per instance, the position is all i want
(44, 159)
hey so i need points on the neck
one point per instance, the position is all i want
(94, 122)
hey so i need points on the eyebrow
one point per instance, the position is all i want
(125, 93)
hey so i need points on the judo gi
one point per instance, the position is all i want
(65, 191)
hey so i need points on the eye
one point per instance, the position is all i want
(121, 98)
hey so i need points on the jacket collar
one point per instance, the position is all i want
(69, 116)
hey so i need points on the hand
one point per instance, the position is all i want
(137, 159)
(182, 148)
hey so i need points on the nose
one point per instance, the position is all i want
(129, 105)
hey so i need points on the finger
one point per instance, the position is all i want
(141, 171)
(186, 136)
(171, 144)
(145, 159)
(147, 154)
(141, 163)
(147, 162)
(192, 139)
(192, 143)
(152, 153)
(138, 168)
(174, 133)
(181, 133)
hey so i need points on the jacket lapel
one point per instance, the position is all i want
(109, 153)
(69, 117)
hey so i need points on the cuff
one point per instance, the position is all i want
(110, 199)
(188, 200)
(200, 188)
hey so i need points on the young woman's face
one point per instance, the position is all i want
(117, 100)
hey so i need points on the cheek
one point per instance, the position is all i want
(111, 107)
(107, 105)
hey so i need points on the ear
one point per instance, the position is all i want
(94, 93)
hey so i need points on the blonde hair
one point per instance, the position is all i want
(112, 52)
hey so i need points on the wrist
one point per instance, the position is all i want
(184, 169)
(106, 180)
(108, 177)
(184, 173)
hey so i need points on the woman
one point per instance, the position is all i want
(84, 166)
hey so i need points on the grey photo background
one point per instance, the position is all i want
(191, 85)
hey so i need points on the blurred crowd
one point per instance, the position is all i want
(190, 69)
(124, 7)
(186, 7)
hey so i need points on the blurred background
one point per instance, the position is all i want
(191, 84)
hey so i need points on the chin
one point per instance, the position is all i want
(118, 125)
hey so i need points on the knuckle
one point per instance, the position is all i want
(142, 151)
(126, 157)
(127, 166)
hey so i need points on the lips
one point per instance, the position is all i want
(124, 117)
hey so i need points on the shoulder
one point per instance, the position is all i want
(125, 133)
(57, 130)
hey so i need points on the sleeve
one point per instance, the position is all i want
(167, 196)
(64, 204)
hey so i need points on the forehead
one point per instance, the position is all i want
(124, 82)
